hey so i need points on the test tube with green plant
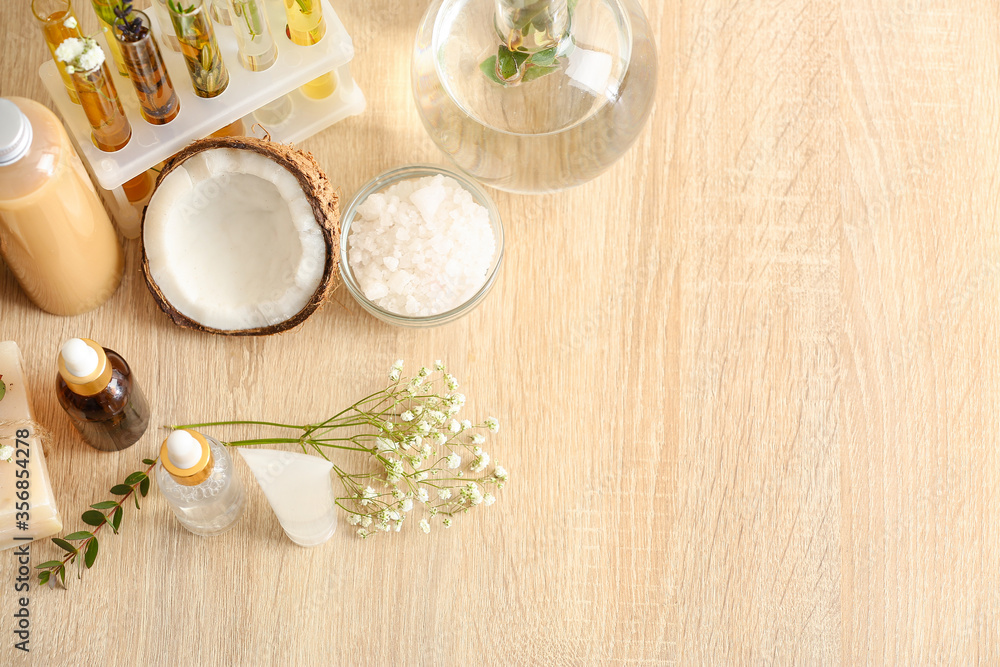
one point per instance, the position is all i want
(199, 47)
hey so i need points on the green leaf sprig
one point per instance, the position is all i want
(106, 512)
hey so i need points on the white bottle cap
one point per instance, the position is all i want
(81, 360)
(15, 133)
(183, 450)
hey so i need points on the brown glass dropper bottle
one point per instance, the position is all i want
(97, 390)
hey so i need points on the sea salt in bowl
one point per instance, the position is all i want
(383, 272)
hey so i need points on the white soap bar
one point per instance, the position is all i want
(299, 490)
(27, 463)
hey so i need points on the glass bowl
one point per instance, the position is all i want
(380, 183)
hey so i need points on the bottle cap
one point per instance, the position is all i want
(186, 455)
(84, 366)
(15, 133)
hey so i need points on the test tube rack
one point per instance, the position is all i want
(246, 93)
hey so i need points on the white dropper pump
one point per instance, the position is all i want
(183, 450)
(81, 360)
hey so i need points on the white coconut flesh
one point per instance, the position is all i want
(232, 242)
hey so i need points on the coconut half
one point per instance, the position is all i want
(240, 237)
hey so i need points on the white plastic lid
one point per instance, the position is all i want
(81, 360)
(15, 133)
(183, 450)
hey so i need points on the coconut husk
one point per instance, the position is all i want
(326, 209)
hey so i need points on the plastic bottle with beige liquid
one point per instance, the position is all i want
(100, 394)
(195, 474)
(55, 235)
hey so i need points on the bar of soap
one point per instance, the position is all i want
(43, 517)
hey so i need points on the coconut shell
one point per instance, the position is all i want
(318, 191)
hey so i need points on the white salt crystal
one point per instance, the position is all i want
(421, 247)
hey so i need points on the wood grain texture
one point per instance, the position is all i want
(747, 381)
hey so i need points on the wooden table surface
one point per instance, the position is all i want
(747, 379)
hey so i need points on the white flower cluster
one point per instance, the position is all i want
(80, 55)
(420, 446)
(6, 453)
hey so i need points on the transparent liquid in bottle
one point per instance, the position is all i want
(211, 507)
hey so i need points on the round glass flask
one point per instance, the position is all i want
(534, 96)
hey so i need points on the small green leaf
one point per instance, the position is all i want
(104, 505)
(506, 65)
(92, 518)
(148, 462)
(64, 545)
(43, 577)
(49, 564)
(91, 555)
(144, 487)
(3, 389)
(135, 478)
(80, 535)
(489, 68)
(545, 57)
(62, 574)
(116, 519)
(136, 499)
(519, 57)
(121, 489)
(532, 73)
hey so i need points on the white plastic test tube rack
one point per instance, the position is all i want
(198, 117)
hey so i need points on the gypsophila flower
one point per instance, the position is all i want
(6, 453)
(406, 416)
(353, 519)
(426, 451)
(423, 427)
(416, 461)
(438, 365)
(444, 494)
(492, 424)
(69, 50)
(439, 438)
(416, 381)
(472, 493)
(488, 499)
(454, 460)
(446, 521)
(388, 426)
(70, 23)
(385, 445)
(418, 410)
(366, 521)
(450, 382)
(393, 470)
(420, 476)
(481, 461)
(393, 375)
(500, 472)
(80, 55)
(425, 525)
(422, 495)
(362, 533)
(453, 408)
(399, 525)
(457, 399)
(477, 439)
(368, 494)
(454, 426)
(424, 371)
(406, 505)
(397, 365)
(466, 424)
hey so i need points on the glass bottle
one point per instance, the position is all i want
(195, 474)
(97, 390)
(306, 26)
(105, 10)
(158, 102)
(534, 95)
(111, 130)
(253, 34)
(58, 23)
(55, 235)
(199, 48)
